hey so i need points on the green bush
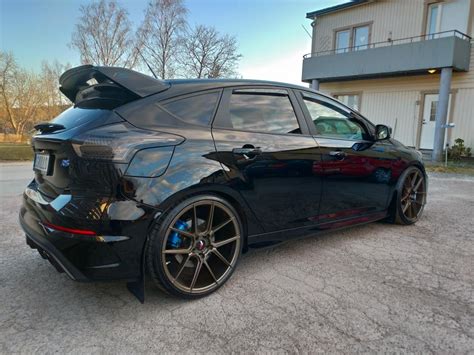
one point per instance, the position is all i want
(458, 150)
(15, 151)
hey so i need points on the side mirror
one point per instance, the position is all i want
(382, 132)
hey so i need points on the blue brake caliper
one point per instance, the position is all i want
(175, 239)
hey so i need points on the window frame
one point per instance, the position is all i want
(437, 24)
(368, 126)
(344, 49)
(166, 101)
(223, 111)
(351, 30)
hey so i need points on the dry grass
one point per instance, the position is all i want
(465, 167)
(15, 151)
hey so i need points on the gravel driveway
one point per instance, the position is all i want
(374, 288)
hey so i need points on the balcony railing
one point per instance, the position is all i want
(391, 42)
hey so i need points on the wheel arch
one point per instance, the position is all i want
(250, 224)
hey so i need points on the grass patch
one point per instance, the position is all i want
(15, 151)
(466, 168)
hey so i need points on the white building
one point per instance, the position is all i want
(404, 63)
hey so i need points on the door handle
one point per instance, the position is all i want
(339, 155)
(247, 151)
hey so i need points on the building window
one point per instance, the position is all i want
(351, 100)
(361, 38)
(433, 23)
(354, 38)
(342, 41)
(433, 108)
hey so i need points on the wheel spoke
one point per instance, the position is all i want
(413, 180)
(405, 207)
(222, 225)
(195, 224)
(210, 219)
(210, 271)
(183, 264)
(405, 197)
(225, 242)
(185, 233)
(196, 274)
(177, 251)
(221, 257)
(418, 184)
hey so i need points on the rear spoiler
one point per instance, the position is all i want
(88, 82)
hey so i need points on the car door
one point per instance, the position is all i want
(264, 145)
(356, 170)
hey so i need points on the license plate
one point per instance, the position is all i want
(41, 162)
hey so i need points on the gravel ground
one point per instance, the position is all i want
(375, 288)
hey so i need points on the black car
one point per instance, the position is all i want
(177, 178)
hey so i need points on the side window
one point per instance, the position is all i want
(333, 123)
(261, 112)
(196, 109)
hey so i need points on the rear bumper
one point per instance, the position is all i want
(115, 254)
(48, 251)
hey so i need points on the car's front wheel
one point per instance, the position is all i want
(194, 247)
(411, 196)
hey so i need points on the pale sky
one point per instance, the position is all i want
(269, 32)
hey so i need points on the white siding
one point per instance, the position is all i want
(463, 117)
(391, 19)
(397, 109)
(453, 16)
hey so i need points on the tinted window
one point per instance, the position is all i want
(262, 113)
(195, 109)
(74, 116)
(330, 122)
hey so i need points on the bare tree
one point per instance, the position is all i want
(160, 35)
(209, 54)
(8, 67)
(21, 93)
(55, 101)
(103, 35)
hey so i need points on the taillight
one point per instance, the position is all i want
(119, 142)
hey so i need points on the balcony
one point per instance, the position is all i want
(413, 55)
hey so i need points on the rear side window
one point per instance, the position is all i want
(197, 109)
(261, 112)
(75, 116)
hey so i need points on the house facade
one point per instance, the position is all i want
(405, 63)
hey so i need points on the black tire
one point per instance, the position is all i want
(411, 196)
(174, 257)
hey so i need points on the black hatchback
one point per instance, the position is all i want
(177, 178)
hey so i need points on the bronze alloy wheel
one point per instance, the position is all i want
(412, 196)
(200, 247)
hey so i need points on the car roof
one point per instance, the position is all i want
(206, 84)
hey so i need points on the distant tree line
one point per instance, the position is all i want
(104, 35)
(28, 97)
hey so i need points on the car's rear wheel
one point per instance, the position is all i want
(194, 248)
(411, 197)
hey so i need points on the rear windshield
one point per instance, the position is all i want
(74, 116)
